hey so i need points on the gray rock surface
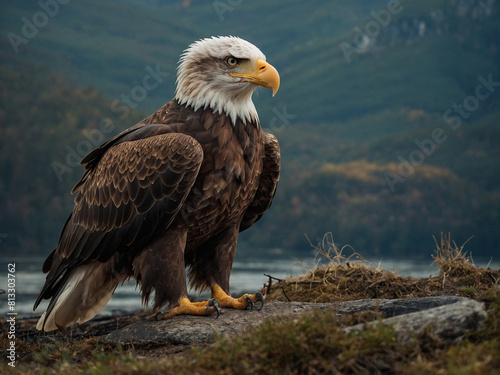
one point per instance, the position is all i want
(187, 329)
(452, 317)
(394, 307)
(449, 322)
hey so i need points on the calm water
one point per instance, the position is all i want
(247, 276)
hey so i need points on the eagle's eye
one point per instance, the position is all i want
(232, 61)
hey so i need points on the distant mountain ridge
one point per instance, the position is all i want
(343, 126)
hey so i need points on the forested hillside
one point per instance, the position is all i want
(47, 124)
(390, 134)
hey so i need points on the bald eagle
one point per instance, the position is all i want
(171, 192)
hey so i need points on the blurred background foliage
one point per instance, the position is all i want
(345, 121)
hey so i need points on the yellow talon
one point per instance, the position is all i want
(241, 303)
(186, 307)
(219, 299)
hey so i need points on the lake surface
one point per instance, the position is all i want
(247, 276)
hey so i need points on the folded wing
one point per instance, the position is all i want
(267, 185)
(130, 194)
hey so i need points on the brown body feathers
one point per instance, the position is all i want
(171, 192)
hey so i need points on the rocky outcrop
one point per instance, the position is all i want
(449, 318)
(448, 322)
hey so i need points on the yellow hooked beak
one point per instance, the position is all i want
(264, 75)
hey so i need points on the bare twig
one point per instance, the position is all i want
(283, 290)
(274, 278)
(311, 282)
(269, 285)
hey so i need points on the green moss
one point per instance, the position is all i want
(468, 291)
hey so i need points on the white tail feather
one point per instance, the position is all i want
(83, 296)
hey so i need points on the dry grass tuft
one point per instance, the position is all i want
(341, 274)
(456, 266)
(452, 260)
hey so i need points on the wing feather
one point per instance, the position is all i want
(131, 193)
(267, 185)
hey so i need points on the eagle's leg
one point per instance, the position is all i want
(245, 301)
(164, 272)
(186, 307)
(211, 267)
